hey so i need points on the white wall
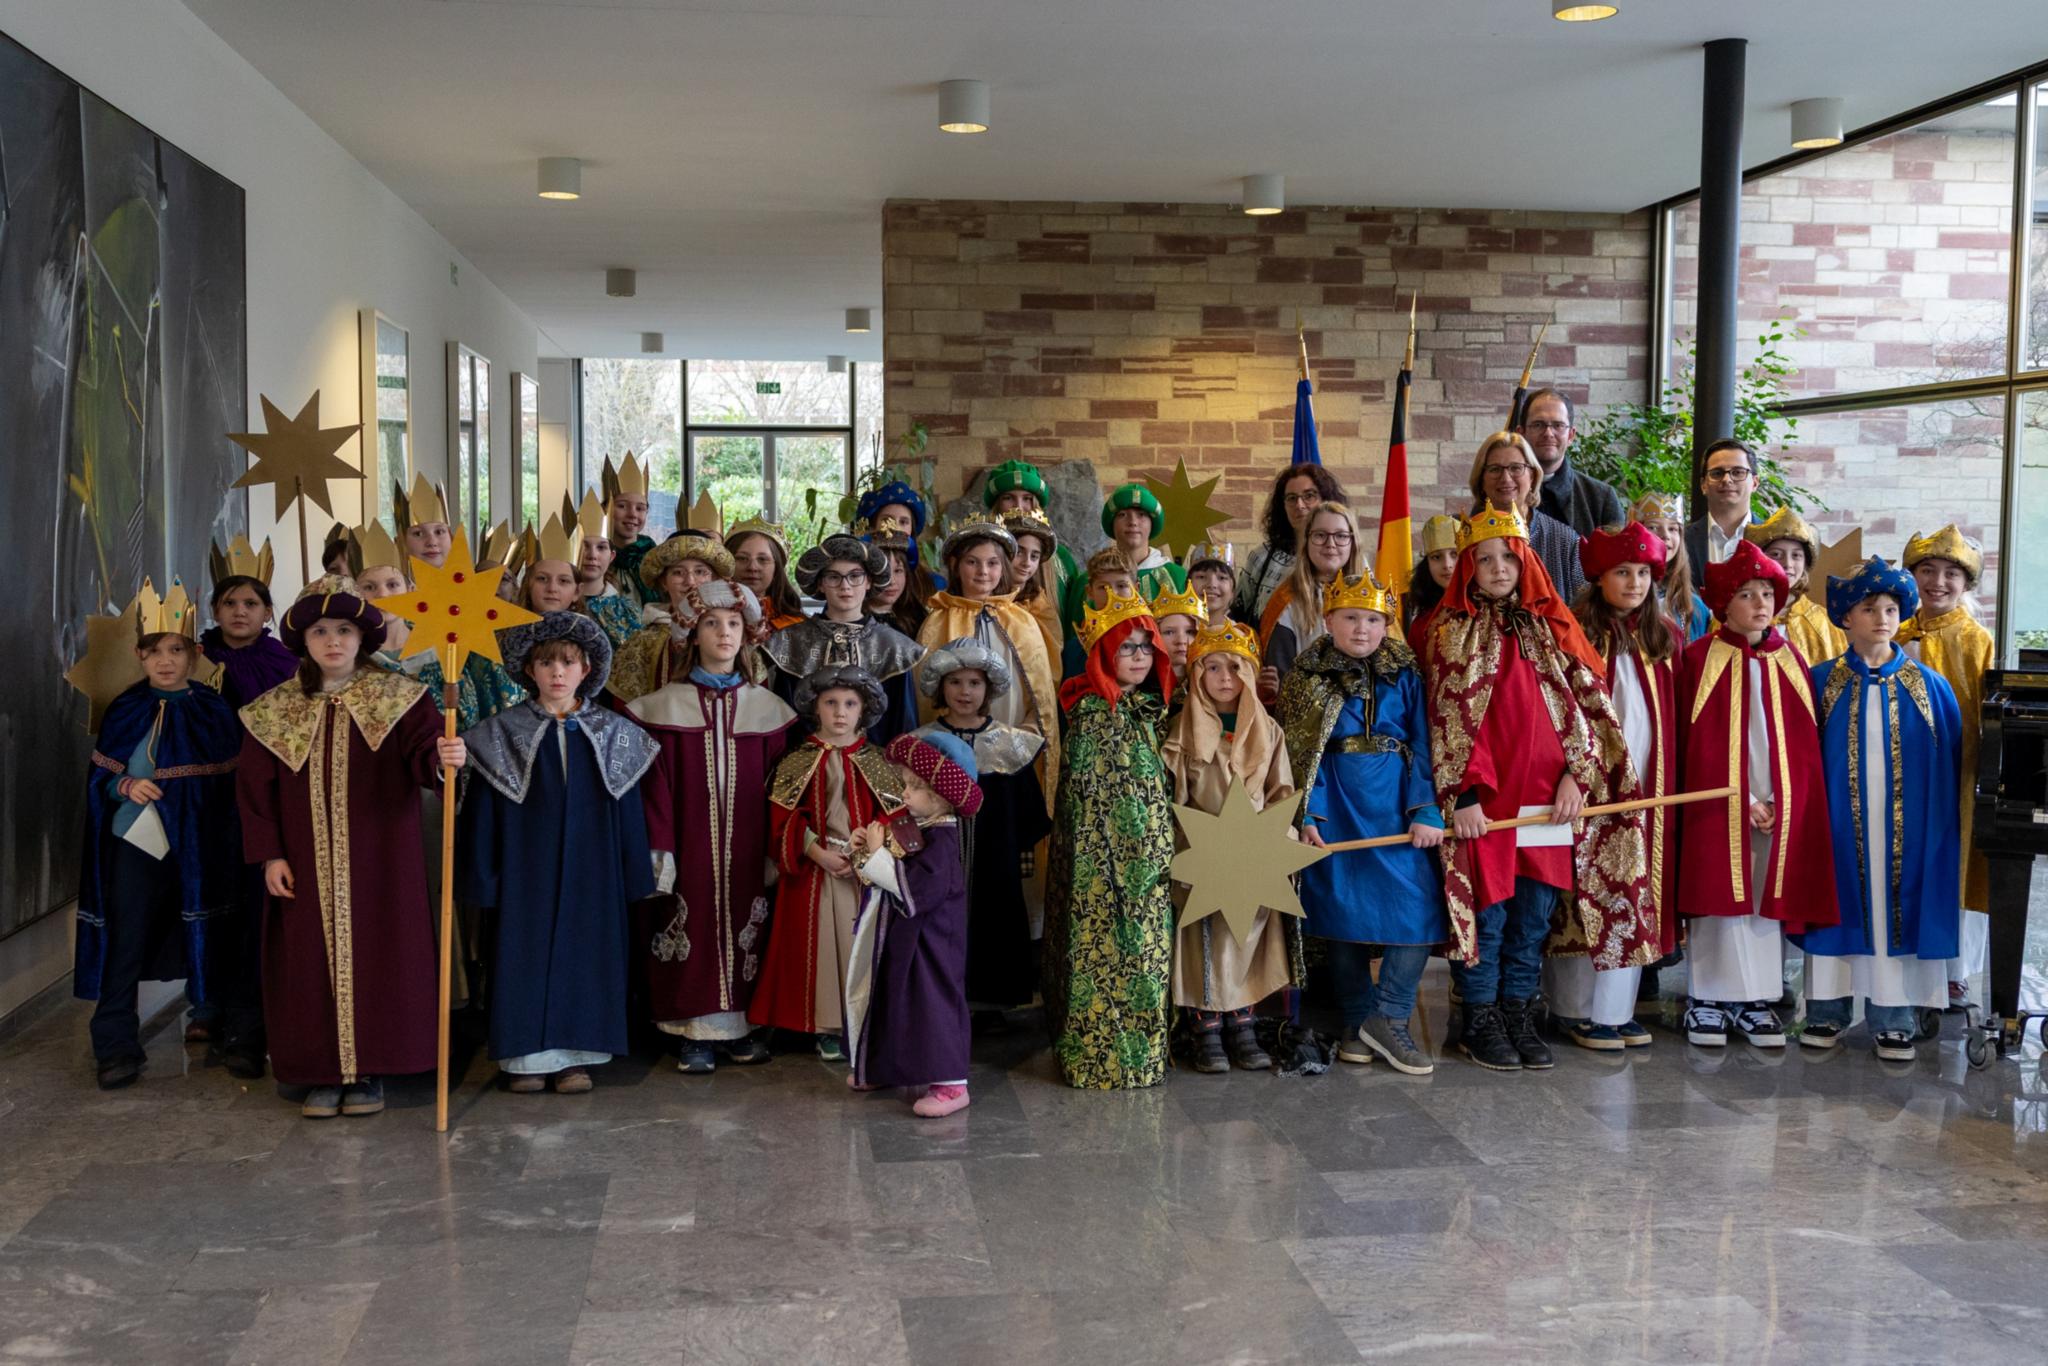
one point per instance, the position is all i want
(325, 239)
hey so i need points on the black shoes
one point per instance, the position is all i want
(1520, 1018)
(1243, 1046)
(1209, 1055)
(119, 1072)
(1486, 1040)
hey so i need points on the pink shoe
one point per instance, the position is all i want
(940, 1101)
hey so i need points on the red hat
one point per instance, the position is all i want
(951, 775)
(1744, 563)
(1632, 544)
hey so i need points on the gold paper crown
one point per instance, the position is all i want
(628, 477)
(1439, 533)
(703, 515)
(757, 526)
(1120, 607)
(497, 546)
(172, 614)
(370, 544)
(240, 558)
(1784, 525)
(1364, 593)
(1946, 544)
(588, 516)
(1231, 638)
(427, 502)
(1658, 507)
(1211, 552)
(558, 542)
(1492, 523)
(1020, 521)
(1186, 603)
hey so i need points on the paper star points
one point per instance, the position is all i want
(109, 666)
(296, 455)
(1840, 559)
(1239, 860)
(455, 610)
(1186, 505)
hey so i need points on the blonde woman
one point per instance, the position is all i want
(1505, 472)
(1331, 545)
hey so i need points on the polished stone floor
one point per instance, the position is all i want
(1677, 1206)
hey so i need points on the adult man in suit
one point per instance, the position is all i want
(1728, 481)
(1580, 501)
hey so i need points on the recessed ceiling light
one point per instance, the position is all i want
(1264, 194)
(1816, 123)
(963, 106)
(561, 178)
(650, 343)
(1581, 14)
(860, 320)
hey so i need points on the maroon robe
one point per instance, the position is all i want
(1714, 706)
(707, 804)
(331, 784)
(906, 991)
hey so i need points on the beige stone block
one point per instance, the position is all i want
(1030, 274)
(1012, 227)
(954, 322)
(1288, 297)
(908, 243)
(1183, 409)
(1093, 323)
(897, 297)
(940, 272)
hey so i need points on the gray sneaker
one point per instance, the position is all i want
(1389, 1038)
(322, 1102)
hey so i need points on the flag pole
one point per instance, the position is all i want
(1408, 357)
(1301, 340)
(449, 698)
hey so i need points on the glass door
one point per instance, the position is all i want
(732, 467)
(796, 478)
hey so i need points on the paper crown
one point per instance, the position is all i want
(426, 502)
(172, 614)
(497, 548)
(558, 542)
(1439, 533)
(760, 526)
(240, 559)
(1946, 544)
(703, 516)
(589, 515)
(1211, 552)
(628, 477)
(1121, 607)
(1185, 602)
(1031, 522)
(1784, 525)
(1492, 523)
(1658, 507)
(1363, 592)
(1231, 638)
(370, 544)
(1631, 544)
(1872, 577)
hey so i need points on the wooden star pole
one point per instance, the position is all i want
(1548, 816)
(455, 611)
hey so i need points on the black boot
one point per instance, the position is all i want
(1243, 1046)
(1209, 1055)
(1486, 1041)
(1520, 1018)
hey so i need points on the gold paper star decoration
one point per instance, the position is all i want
(1840, 559)
(1186, 505)
(296, 455)
(455, 610)
(109, 666)
(1239, 860)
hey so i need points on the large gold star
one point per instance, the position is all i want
(1188, 515)
(455, 610)
(1840, 559)
(296, 454)
(109, 666)
(1239, 860)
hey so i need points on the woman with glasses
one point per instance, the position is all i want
(1505, 473)
(840, 570)
(1294, 614)
(1297, 491)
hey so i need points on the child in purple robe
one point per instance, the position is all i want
(906, 987)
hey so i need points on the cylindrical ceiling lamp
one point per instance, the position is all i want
(619, 282)
(1264, 194)
(561, 178)
(859, 320)
(1816, 123)
(835, 365)
(1580, 14)
(650, 343)
(963, 106)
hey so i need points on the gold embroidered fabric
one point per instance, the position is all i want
(327, 785)
(286, 721)
(1956, 647)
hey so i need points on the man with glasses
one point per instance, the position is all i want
(1728, 482)
(839, 571)
(1505, 473)
(1580, 501)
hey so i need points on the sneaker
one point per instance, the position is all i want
(1243, 1047)
(940, 1101)
(1485, 1040)
(1894, 1045)
(1634, 1034)
(1759, 1025)
(366, 1097)
(1520, 1017)
(831, 1048)
(1389, 1037)
(119, 1072)
(1352, 1048)
(695, 1058)
(1706, 1024)
(1959, 996)
(322, 1102)
(1209, 1055)
(1598, 1037)
(747, 1052)
(1819, 1035)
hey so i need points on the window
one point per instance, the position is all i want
(636, 406)
(526, 441)
(2035, 315)
(768, 393)
(469, 441)
(867, 411)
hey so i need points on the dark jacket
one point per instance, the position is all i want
(1580, 501)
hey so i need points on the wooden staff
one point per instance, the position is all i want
(305, 562)
(449, 697)
(1548, 817)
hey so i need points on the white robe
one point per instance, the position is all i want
(1740, 959)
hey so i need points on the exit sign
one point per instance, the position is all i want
(767, 386)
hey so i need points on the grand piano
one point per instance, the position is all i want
(2011, 828)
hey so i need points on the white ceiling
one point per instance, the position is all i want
(737, 152)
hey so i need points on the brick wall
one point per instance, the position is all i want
(1131, 335)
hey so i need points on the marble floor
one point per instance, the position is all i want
(1671, 1206)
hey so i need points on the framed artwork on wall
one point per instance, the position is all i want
(386, 410)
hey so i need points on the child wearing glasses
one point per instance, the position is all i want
(840, 570)
(1294, 614)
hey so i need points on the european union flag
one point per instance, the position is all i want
(1306, 451)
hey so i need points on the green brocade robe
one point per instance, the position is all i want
(1109, 919)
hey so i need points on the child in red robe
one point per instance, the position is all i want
(1758, 866)
(1520, 723)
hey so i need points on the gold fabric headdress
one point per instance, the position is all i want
(1120, 607)
(1785, 525)
(1362, 592)
(1492, 523)
(1439, 533)
(1949, 543)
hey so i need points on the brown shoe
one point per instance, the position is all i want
(525, 1083)
(573, 1081)
(197, 1031)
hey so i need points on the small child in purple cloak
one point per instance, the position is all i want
(906, 986)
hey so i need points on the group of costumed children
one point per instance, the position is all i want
(684, 800)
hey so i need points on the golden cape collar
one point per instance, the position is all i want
(285, 720)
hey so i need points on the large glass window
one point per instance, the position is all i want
(526, 443)
(636, 406)
(2034, 351)
(2028, 618)
(470, 440)
(768, 393)
(867, 433)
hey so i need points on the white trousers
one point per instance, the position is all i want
(1578, 992)
(1734, 959)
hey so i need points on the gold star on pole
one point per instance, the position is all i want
(296, 454)
(109, 666)
(1239, 860)
(455, 610)
(1840, 559)
(1185, 504)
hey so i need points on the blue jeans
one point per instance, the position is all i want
(1511, 934)
(1358, 999)
(1881, 1019)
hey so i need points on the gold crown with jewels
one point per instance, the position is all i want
(171, 614)
(759, 526)
(1231, 638)
(1121, 607)
(1186, 602)
(1363, 592)
(1492, 523)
